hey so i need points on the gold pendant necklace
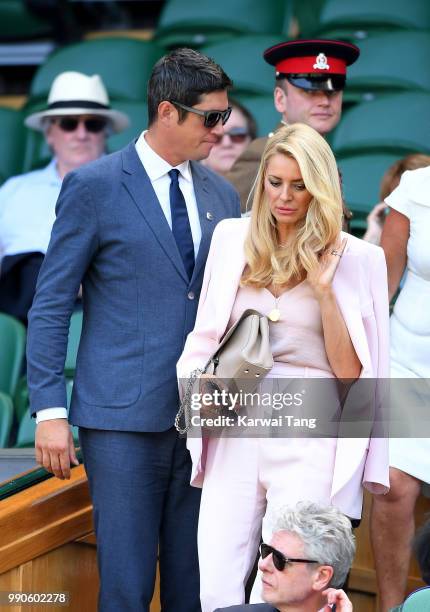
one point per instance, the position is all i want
(275, 314)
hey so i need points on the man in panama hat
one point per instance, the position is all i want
(310, 78)
(75, 123)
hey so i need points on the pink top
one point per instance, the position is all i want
(297, 338)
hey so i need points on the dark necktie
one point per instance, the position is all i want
(181, 228)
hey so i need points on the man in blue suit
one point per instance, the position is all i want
(134, 229)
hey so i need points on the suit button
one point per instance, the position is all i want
(191, 295)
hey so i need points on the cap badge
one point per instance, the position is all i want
(321, 62)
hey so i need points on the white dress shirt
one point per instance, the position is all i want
(157, 170)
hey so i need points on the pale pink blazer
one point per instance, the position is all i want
(360, 287)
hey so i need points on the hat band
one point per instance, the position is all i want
(316, 64)
(77, 104)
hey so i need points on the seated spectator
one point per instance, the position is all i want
(75, 124)
(390, 180)
(239, 131)
(306, 562)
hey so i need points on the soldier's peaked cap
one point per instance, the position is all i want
(313, 64)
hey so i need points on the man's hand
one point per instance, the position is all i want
(54, 447)
(338, 597)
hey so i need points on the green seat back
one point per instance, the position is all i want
(307, 16)
(137, 113)
(399, 123)
(361, 179)
(358, 20)
(6, 419)
(12, 348)
(12, 139)
(21, 398)
(124, 64)
(390, 63)
(264, 112)
(242, 59)
(187, 22)
(17, 22)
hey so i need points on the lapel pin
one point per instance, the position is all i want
(209, 216)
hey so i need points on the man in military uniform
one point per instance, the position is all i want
(310, 78)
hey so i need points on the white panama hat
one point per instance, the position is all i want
(74, 93)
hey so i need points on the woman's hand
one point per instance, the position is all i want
(321, 278)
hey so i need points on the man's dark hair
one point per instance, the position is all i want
(183, 76)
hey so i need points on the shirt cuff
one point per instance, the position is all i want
(50, 413)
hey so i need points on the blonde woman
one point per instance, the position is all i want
(326, 295)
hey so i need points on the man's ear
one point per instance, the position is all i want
(167, 113)
(322, 577)
(279, 97)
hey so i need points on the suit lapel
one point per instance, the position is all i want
(207, 217)
(137, 183)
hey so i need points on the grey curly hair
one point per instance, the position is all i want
(326, 534)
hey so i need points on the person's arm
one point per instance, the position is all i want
(394, 241)
(338, 345)
(74, 241)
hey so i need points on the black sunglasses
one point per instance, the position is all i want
(237, 135)
(94, 125)
(279, 559)
(212, 117)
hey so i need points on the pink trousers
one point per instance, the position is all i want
(246, 480)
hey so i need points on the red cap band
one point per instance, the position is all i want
(320, 64)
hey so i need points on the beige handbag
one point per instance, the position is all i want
(243, 357)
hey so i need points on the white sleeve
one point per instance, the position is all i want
(50, 413)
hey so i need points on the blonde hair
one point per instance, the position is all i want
(267, 261)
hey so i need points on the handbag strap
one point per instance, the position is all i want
(185, 405)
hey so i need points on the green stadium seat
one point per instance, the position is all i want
(18, 23)
(124, 64)
(21, 398)
(242, 59)
(399, 123)
(307, 16)
(137, 112)
(361, 179)
(12, 349)
(390, 63)
(190, 23)
(263, 110)
(6, 419)
(353, 20)
(12, 139)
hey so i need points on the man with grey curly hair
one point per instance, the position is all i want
(306, 562)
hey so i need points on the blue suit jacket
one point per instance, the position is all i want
(111, 235)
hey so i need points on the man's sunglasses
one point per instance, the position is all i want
(237, 135)
(279, 559)
(94, 125)
(212, 117)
